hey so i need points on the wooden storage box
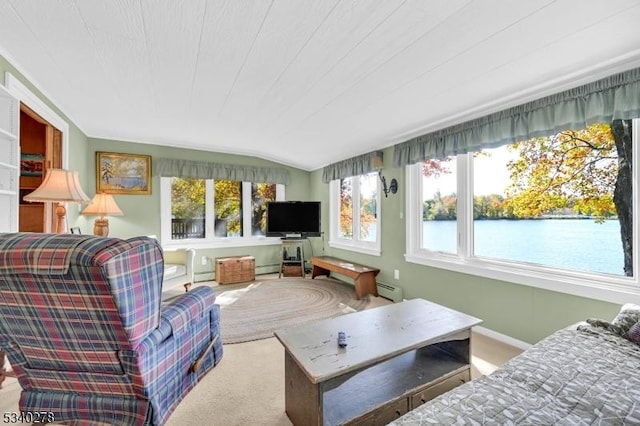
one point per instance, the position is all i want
(294, 270)
(235, 269)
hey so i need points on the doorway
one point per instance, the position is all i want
(40, 150)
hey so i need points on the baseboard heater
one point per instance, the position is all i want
(390, 292)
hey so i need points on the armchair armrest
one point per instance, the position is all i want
(177, 313)
(184, 257)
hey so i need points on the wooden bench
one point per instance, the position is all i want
(364, 277)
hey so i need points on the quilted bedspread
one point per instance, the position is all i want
(588, 376)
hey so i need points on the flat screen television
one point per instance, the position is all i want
(293, 219)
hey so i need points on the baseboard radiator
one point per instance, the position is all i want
(390, 292)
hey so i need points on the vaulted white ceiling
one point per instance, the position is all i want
(306, 82)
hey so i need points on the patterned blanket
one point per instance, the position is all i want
(589, 376)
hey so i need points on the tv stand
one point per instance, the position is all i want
(293, 237)
(292, 258)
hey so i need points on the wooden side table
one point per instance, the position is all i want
(292, 259)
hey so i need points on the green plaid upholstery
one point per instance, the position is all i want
(83, 325)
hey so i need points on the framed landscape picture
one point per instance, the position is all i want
(123, 173)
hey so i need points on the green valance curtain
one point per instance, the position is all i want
(355, 166)
(605, 100)
(168, 167)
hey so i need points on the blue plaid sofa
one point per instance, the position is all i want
(83, 325)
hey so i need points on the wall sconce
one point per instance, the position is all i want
(393, 185)
(377, 165)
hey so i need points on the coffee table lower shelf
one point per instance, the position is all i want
(380, 393)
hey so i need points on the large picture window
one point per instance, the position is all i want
(551, 209)
(355, 214)
(205, 211)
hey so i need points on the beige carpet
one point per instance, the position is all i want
(247, 387)
(255, 311)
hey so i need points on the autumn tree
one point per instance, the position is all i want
(491, 206)
(622, 194)
(435, 168)
(346, 208)
(226, 203)
(187, 198)
(187, 208)
(261, 193)
(368, 210)
(588, 171)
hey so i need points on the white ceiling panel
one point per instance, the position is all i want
(306, 82)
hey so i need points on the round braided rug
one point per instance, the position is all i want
(255, 311)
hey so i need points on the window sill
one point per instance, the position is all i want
(355, 248)
(222, 242)
(602, 287)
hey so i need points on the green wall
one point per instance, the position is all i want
(142, 212)
(519, 311)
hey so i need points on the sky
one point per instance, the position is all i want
(490, 175)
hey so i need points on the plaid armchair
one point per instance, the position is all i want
(82, 323)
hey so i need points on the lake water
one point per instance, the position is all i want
(580, 244)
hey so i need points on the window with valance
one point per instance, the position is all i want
(355, 215)
(542, 193)
(204, 202)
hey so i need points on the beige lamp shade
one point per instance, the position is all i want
(59, 186)
(102, 205)
(376, 161)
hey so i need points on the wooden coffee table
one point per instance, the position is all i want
(397, 357)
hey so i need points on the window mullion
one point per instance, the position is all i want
(245, 209)
(280, 195)
(165, 210)
(470, 230)
(334, 210)
(355, 202)
(209, 210)
(414, 207)
(465, 205)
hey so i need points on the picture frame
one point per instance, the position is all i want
(75, 230)
(128, 174)
(31, 165)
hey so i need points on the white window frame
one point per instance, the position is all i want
(610, 288)
(210, 241)
(354, 244)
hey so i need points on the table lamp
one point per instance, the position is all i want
(102, 205)
(59, 186)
